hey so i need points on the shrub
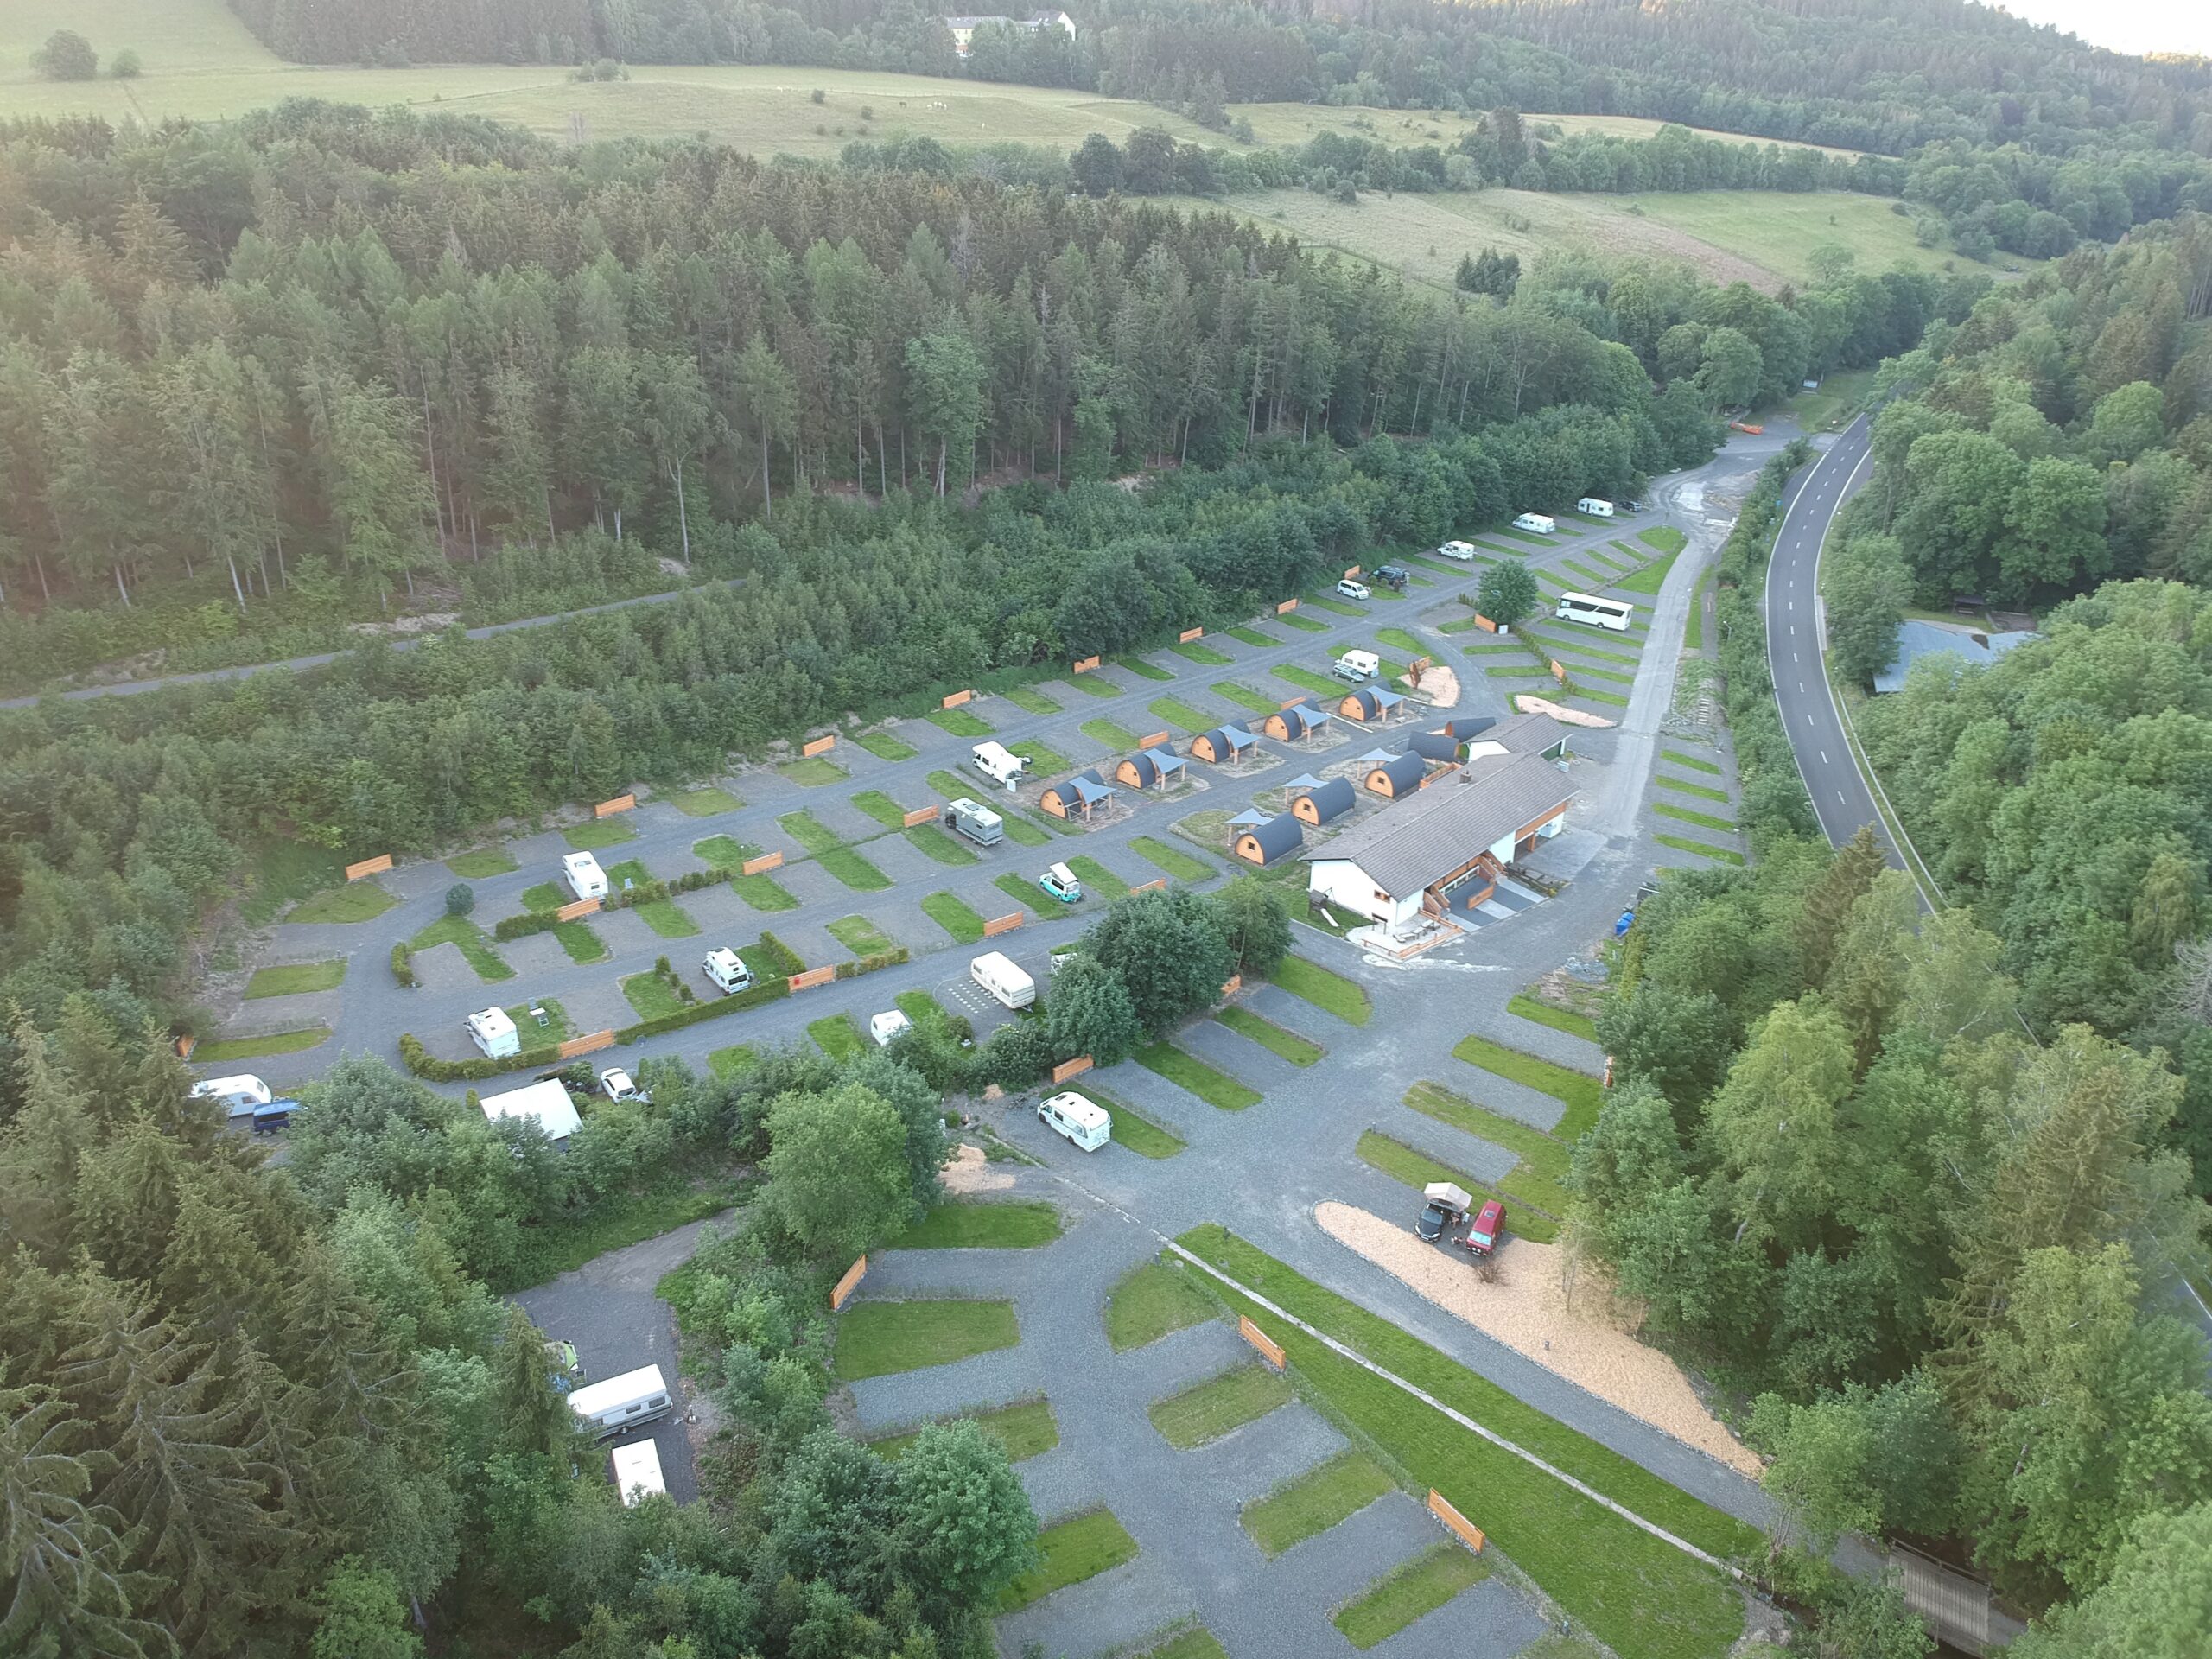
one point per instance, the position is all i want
(125, 65)
(403, 966)
(460, 899)
(817, 95)
(424, 1063)
(534, 921)
(782, 960)
(870, 964)
(67, 55)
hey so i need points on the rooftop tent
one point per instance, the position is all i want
(1324, 804)
(1222, 743)
(1263, 843)
(1398, 777)
(1433, 747)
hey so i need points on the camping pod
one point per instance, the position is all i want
(1398, 777)
(1299, 720)
(1369, 703)
(1150, 769)
(1223, 743)
(1074, 798)
(1325, 805)
(1434, 747)
(1263, 843)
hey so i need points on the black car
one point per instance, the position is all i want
(1392, 577)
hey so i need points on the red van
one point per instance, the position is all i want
(1488, 1225)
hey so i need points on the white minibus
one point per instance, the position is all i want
(1593, 612)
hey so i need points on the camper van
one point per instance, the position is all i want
(727, 971)
(1594, 507)
(1356, 666)
(1540, 523)
(1085, 1122)
(585, 878)
(998, 763)
(494, 1034)
(1349, 589)
(636, 1472)
(622, 1403)
(1463, 551)
(996, 973)
(1060, 882)
(975, 821)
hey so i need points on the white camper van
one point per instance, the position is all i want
(998, 763)
(1594, 507)
(996, 973)
(1357, 666)
(494, 1034)
(1540, 523)
(1087, 1124)
(636, 1472)
(727, 971)
(585, 878)
(621, 1402)
(1463, 551)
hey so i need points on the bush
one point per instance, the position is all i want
(403, 966)
(1017, 1055)
(534, 921)
(870, 964)
(1773, 790)
(125, 65)
(763, 992)
(460, 899)
(67, 55)
(645, 892)
(424, 1063)
(782, 960)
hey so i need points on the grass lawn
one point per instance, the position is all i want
(1288, 1045)
(253, 1048)
(1073, 1551)
(562, 1247)
(880, 807)
(984, 1226)
(1519, 671)
(1105, 732)
(1209, 1410)
(860, 935)
(941, 845)
(1703, 792)
(1314, 1501)
(919, 1006)
(666, 918)
(1198, 651)
(704, 803)
(1155, 1300)
(1703, 820)
(1303, 624)
(1580, 672)
(650, 995)
(1306, 680)
(1176, 712)
(1544, 1013)
(1665, 537)
(1331, 993)
(1595, 577)
(546, 895)
(1024, 832)
(885, 746)
(1417, 1170)
(1026, 1431)
(286, 872)
(763, 893)
(877, 1339)
(1254, 637)
(1091, 685)
(483, 863)
(1322, 603)
(1580, 647)
(1179, 866)
(1684, 844)
(1414, 1587)
(1245, 697)
(728, 1061)
(723, 852)
(1695, 763)
(1142, 670)
(1021, 892)
(556, 1028)
(1044, 761)
(1032, 701)
(835, 1035)
(1637, 1594)
(579, 942)
(296, 979)
(809, 831)
(952, 913)
(855, 871)
(601, 832)
(1399, 639)
(489, 964)
(1596, 695)
(1188, 1072)
(1647, 581)
(1096, 878)
(1132, 1128)
(357, 902)
(1539, 1179)
(1694, 632)
(1578, 1091)
(1197, 1642)
(812, 771)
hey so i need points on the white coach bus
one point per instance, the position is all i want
(1596, 613)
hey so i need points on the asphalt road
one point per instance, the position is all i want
(1795, 639)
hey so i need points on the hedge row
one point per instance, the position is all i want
(424, 1063)
(645, 892)
(402, 965)
(764, 991)
(1774, 800)
(530, 921)
(782, 960)
(860, 965)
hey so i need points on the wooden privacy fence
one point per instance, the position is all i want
(185, 1044)
(376, 866)
(957, 699)
(1270, 1349)
(1152, 740)
(1415, 669)
(848, 1284)
(820, 746)
(809, 978)
(920, 815)
(1074, 1068)
(582, 907)
(1351, 573)
(999, 925)
(1158, 883)
(619, 803)
(1084, 664)
(1484, 623)
(1558, 673)
(1189, 634)
(589, 1043)
(1235, 984)
(766, 861)
(1468, 1532)
(1286, 608)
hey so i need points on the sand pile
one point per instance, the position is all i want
(1527, 1310)
(968, 1171)
(1440, 686)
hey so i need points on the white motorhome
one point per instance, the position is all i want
(1356, 666)
(1543, 524)
(975, 821)
(636, 1472)
(1463, 551)
(585, 878)
(622, 1403)
(1594, 507)
(1085, 1122)
(997, 973)
(244, 1087)
(494, 1034)
(727, 971)
(998, 763)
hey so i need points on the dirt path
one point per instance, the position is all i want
(1527, 1310)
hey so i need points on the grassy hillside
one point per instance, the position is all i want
(1294, 123)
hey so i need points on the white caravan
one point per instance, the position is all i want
(636, 1472)
(996, 973)
(621, 1402)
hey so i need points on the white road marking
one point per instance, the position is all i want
(1824, 757)
(1800, 688)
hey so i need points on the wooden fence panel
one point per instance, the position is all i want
(1484, 623)
(1286, 608)
(1236, 984)
(766, 861)
(999, 925)
(813, 976)
(848, 1284)
(1085, 665)
(957, 699)
(1467, 1531)
(820, 746)
(1158, 883)
(185, 1044)
(1270, 1349)
(570, 912)
(376, 866)
(1074, 1068)
(619, 803)
(1152, 740)
(1558, 673)
(1189, 634)
(589, 1043)
(1353, 573)
(920, 815)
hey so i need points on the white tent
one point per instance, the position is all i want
(546, 1104)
